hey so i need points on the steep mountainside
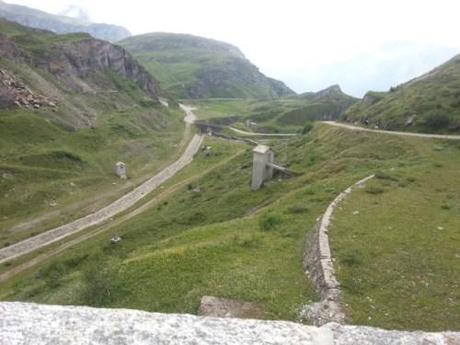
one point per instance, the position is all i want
(74, 64)
(195, 67)
(60, 24)
(71, 106)
(430, 103)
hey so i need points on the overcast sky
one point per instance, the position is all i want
(358, 44)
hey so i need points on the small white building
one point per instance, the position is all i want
(262, 169)
(120, 170)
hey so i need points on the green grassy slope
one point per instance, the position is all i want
(56, 163)
(429, 103)
(214, 236)
(195, 67)
(396, 244)
(287, 114)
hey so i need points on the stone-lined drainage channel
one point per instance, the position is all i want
(319, 267)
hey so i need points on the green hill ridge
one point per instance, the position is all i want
(196, 67)
(429, 103)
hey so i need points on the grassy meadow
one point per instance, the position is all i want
(214, 236)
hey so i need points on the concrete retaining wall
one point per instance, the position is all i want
(318, 265)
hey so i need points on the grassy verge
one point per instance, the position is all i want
(396, 244)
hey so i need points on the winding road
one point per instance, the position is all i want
(239, 131)
(125, 202)
(407, 134)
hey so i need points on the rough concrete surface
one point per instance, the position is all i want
(24, 323)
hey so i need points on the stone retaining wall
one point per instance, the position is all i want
(318, 265)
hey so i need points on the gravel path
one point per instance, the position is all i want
(239, 131)
(408, 134)
(104, 214)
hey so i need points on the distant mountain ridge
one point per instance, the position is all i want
(429, 103)
(60, 24)
(195, 67)
(327, 104)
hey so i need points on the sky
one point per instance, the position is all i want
(360, 45)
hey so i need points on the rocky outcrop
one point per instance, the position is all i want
(14, 92)
(85, 57)
(60, 24)
(79, 62)
(8, 49)
(23, 323)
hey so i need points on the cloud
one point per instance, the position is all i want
(75, 11)
(309, 44)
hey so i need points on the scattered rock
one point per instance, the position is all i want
(115, 239)
(411, 120)
(23, 96)
(223, 307)
(7, 176)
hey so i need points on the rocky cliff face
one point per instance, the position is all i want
(79, 62)
(78, 76)
(85, 57)
(60, 24)
(40, 324)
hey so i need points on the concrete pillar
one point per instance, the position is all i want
(261, 170)
(120, 170)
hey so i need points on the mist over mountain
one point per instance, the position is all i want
(390, 65)
(77, 12)
(61, 24)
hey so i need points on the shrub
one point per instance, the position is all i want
(436, 121)
(384, 176)
(308, 126)
(374, 190)
(98, 286)
(269, 222)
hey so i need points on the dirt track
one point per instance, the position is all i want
(407, 134)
